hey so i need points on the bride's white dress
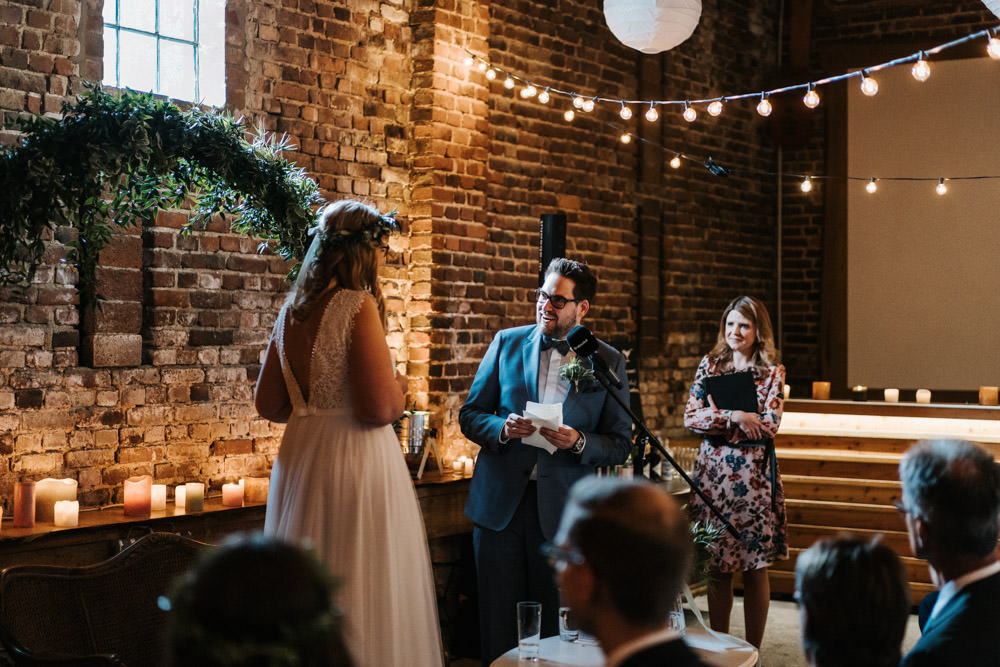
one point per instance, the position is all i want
(342, 487)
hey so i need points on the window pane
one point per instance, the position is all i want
(110, 57)
(177, 70)
(138, 14)
(177, 19)
(109, 11)
(212, 52)
(138, 61)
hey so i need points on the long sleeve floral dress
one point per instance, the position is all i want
(740, 478)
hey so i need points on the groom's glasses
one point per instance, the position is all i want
(558, 302)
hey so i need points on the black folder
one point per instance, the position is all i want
(735, 391)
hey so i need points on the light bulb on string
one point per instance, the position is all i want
(544, 97)
(993, 48)
(588, 105)
(811, 98)
(652, 114)
(626, 138)
(871, 187)
(764, 107)
(806, 185)
(625, 113)
(715, 107)
(921, 70)
(528, 91)
(482, 65)
(569, 115)
(491, 74)
(577, 101)
(689, 113)
(469, 61)
(509, 83)
(941, 187)
(869, 86)
(675, 162)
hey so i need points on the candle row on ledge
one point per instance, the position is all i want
(821, 392)
(54, 500)
(462, 466)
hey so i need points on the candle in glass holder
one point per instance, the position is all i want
(821, 391)
(232, 495)
(180, 493)
(891, 395)
(138, 495)
(255, 489)
(24, 504)
(66, 513)
(458, 465)
(158, 497)
(923, 395)
(468, 466)
(194, 500)
(47, 492)
(988, 395)
(787, 391)
(859, 392)
(1, 517)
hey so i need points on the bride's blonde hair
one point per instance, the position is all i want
(344, 253)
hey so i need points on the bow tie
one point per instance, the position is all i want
(561, 345)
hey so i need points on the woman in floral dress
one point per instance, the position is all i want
(736, 468)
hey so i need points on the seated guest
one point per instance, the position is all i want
(621, 554)
(853, 603)
(951, 503)
(256, 602)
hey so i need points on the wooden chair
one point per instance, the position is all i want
(103, 614)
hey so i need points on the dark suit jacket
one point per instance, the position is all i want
(506, 380)
(966, 632)
(668, 654)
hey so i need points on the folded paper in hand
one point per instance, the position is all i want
(548, 415)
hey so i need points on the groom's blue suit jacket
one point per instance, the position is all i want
(506, 380)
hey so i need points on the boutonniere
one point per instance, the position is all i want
(574, 371)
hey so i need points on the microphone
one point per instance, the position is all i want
(585, 344)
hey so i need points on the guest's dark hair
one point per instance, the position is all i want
(637, 542)
(855, 600)
(954, 486)
(256, 602)
(585, 284)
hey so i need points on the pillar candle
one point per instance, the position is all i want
(24, 504)
(158, 497)
(458, 465)
(988, 395)
(1, 517)
(923, 395)
(47, 492)
(891, 395)
(859, 392)
(194, 500)
(468, 467)
(787, 390)
(255, 489)
(232, 495)
(66, 513)
(138, 495)
(821, 391)
(180, 491)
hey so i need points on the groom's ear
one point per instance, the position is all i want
(583, 309)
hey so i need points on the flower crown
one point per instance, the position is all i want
(373, 233)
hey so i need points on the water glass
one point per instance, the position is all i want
(675, 619)
(529, 629)
(568, 630)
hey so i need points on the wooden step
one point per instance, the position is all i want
(856, 444)
(836, 489)
(844, 516)
(803, 536)
(844, 464)
(915, 568)
(783, 583)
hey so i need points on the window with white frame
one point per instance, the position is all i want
(174, 48)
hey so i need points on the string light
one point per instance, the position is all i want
(626, 138)
(509, 83)
(764, 107)
(588, 105)
(491, 74)
(921, 71)
(806, 185)
(482, 65)
(652, 114)
(569, 115)
(993, 48)
(676, 162)
(811, 98)
(528, 92)
(625, 113)
(941, 187)
(689, 113)
(869, 86)
(871, 187)
(715, 107)
(544, 97)
(469, 61)
(577, 101)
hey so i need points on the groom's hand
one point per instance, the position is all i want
(564, 438)
(516, 427)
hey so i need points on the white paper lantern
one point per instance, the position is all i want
(652, 26)
(992, 5)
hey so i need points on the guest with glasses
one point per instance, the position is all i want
(518, 490)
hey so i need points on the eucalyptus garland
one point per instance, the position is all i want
(113, 161)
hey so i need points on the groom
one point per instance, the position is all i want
(517, 493)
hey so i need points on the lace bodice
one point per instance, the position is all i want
(328, 364)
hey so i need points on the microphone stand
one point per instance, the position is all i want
(606, 383)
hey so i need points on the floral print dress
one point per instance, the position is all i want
(736, 475)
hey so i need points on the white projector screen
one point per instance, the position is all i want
(924, 269)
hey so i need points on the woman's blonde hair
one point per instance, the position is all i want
(764, 354)
(344, 253)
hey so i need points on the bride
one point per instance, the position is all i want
(340, 483)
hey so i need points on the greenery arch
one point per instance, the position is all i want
(112, 161)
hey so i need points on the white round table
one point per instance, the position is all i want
(719, 650)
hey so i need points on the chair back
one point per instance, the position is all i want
(96, 611)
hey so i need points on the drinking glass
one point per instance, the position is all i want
(676, 618)
(529, 629)
(568, 630)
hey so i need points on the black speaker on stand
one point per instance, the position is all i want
(551, 240)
